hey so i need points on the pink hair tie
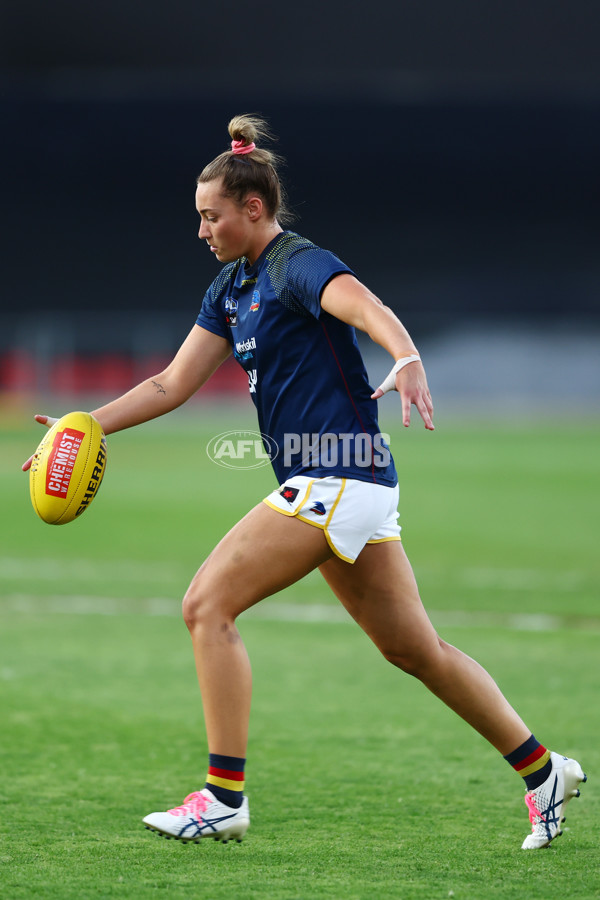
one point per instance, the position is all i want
(240, 148)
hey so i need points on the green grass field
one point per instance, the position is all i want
(361, 784)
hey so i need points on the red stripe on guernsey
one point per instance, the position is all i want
(225, 773)
(350, 397)
(529, 760)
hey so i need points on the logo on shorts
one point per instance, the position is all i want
(289, 493)
(318, 508)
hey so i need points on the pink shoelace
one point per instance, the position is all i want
(533, 812)
(193, 805)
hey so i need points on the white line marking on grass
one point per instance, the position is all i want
(48, 570)
(513, 621)
(89, 605)
(522, 579)
(273, 611)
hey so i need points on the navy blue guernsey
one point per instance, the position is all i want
(305, 371)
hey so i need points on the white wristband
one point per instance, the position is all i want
(390, 382)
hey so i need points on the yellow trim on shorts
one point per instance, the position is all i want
(337, 552)
(335, 503)
(285, 512)
(278, 509)
(393, 537)
(327, 537)
(320, 525)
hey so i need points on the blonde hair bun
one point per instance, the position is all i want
(248, 128)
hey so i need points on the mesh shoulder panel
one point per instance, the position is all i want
(277, 267)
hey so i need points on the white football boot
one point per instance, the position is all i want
(201, 815)
(546, 803)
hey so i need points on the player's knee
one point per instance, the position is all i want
(416, 661)
(189, 608)
(199, 605)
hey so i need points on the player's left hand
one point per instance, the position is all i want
(48, 421)
(411, 384)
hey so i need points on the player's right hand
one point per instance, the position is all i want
(48, 421)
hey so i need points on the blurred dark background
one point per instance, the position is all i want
(449, 153)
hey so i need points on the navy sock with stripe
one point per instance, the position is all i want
(532, 761)
(226, 778)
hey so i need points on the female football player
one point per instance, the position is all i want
(288, 311)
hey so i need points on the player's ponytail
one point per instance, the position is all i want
(247, 168)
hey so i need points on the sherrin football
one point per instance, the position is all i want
(67, 468)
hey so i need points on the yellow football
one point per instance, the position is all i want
(67, 468)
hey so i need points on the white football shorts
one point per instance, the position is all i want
(351, 513)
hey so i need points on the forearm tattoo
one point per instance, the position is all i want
(159, 388)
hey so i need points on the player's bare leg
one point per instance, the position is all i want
(381, 594)
(261, 555)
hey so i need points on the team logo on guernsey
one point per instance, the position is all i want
(255, 301)
(318, 508)
(231, 310)
(289, 493)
